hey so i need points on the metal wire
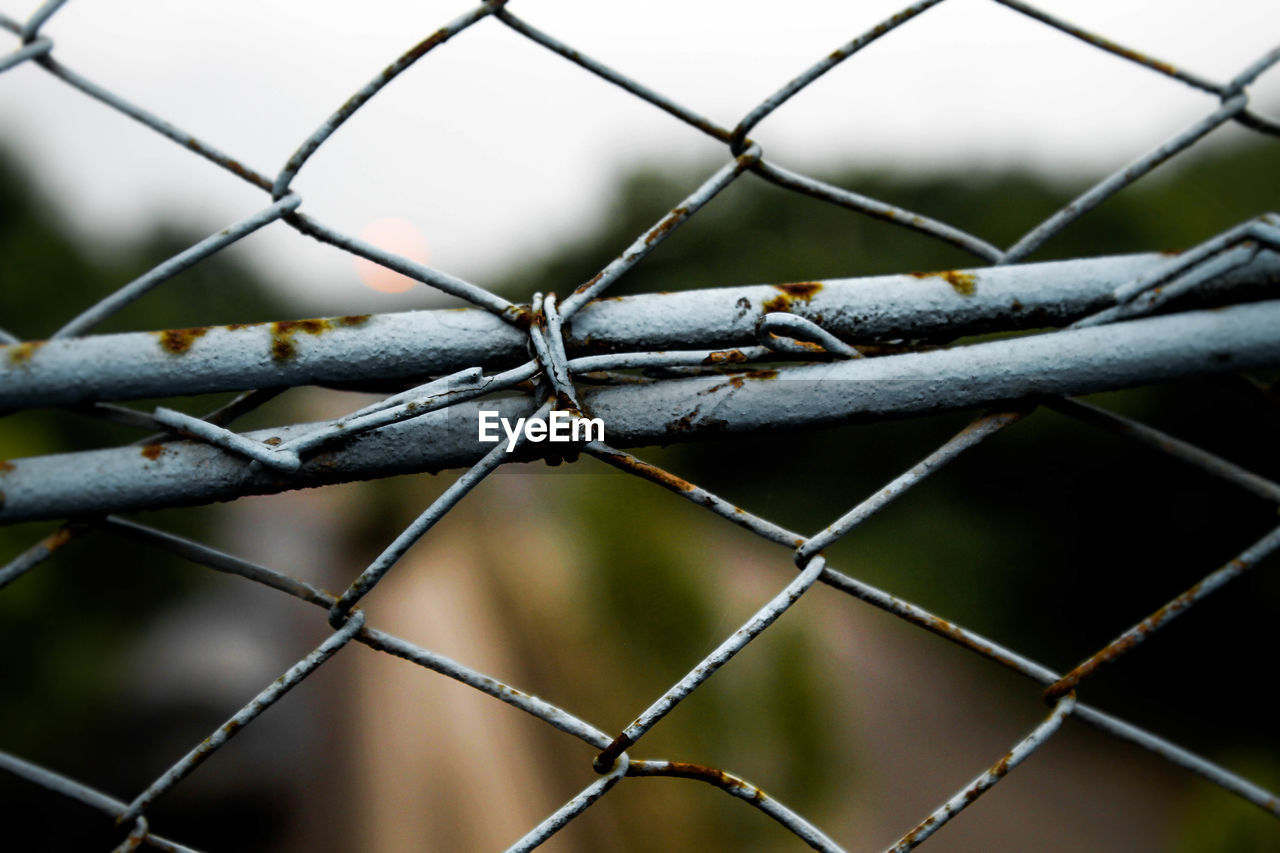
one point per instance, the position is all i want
(1102, 337)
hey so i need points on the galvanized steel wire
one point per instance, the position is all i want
(1101, 304)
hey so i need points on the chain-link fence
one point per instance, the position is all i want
(655, 368)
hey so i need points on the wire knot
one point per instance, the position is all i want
(546, 337)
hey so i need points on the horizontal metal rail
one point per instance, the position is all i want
(410, 345)
(1061, 363)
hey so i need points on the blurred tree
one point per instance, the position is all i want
(67, 627)
(1051, 538)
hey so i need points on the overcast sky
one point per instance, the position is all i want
(494, 148)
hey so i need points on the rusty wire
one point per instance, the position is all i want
(543, 323)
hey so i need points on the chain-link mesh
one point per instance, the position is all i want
(1115, 323)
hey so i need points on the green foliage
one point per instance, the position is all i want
(69, 275)
(755, 232)
(1052, 537)
(1216, 822)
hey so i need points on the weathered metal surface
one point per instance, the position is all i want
(736, 642)
(73, 790)
(258, 355)
(736, 786)
(351, 349)
(1237, 566)
(1063, 363)
(264, 700)
(983, 783)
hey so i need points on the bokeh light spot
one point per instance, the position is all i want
(394, 235)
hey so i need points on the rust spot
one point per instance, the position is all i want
(609, 755)
(943, 628)
(801, 290)
(710, 775)
(780, 303)
(1133, 636)
(591, 345)
(353, 320)
(415, 53)
(684, 423)
(698, 771)
(565, 404)
(911, 837)
(235, 166)
(734, 382)
(312, 327)
(178, 341)
(739, 380)
(21, 353)
(152, 451)
(238, 169)
(727, 356)
(282, 332)
(1162, 67)
(273, 441)
(670, 221)
(963, 283)
(520, 315)
(58, 538)
(5, 466)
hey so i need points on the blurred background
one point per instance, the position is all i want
(497, 161)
